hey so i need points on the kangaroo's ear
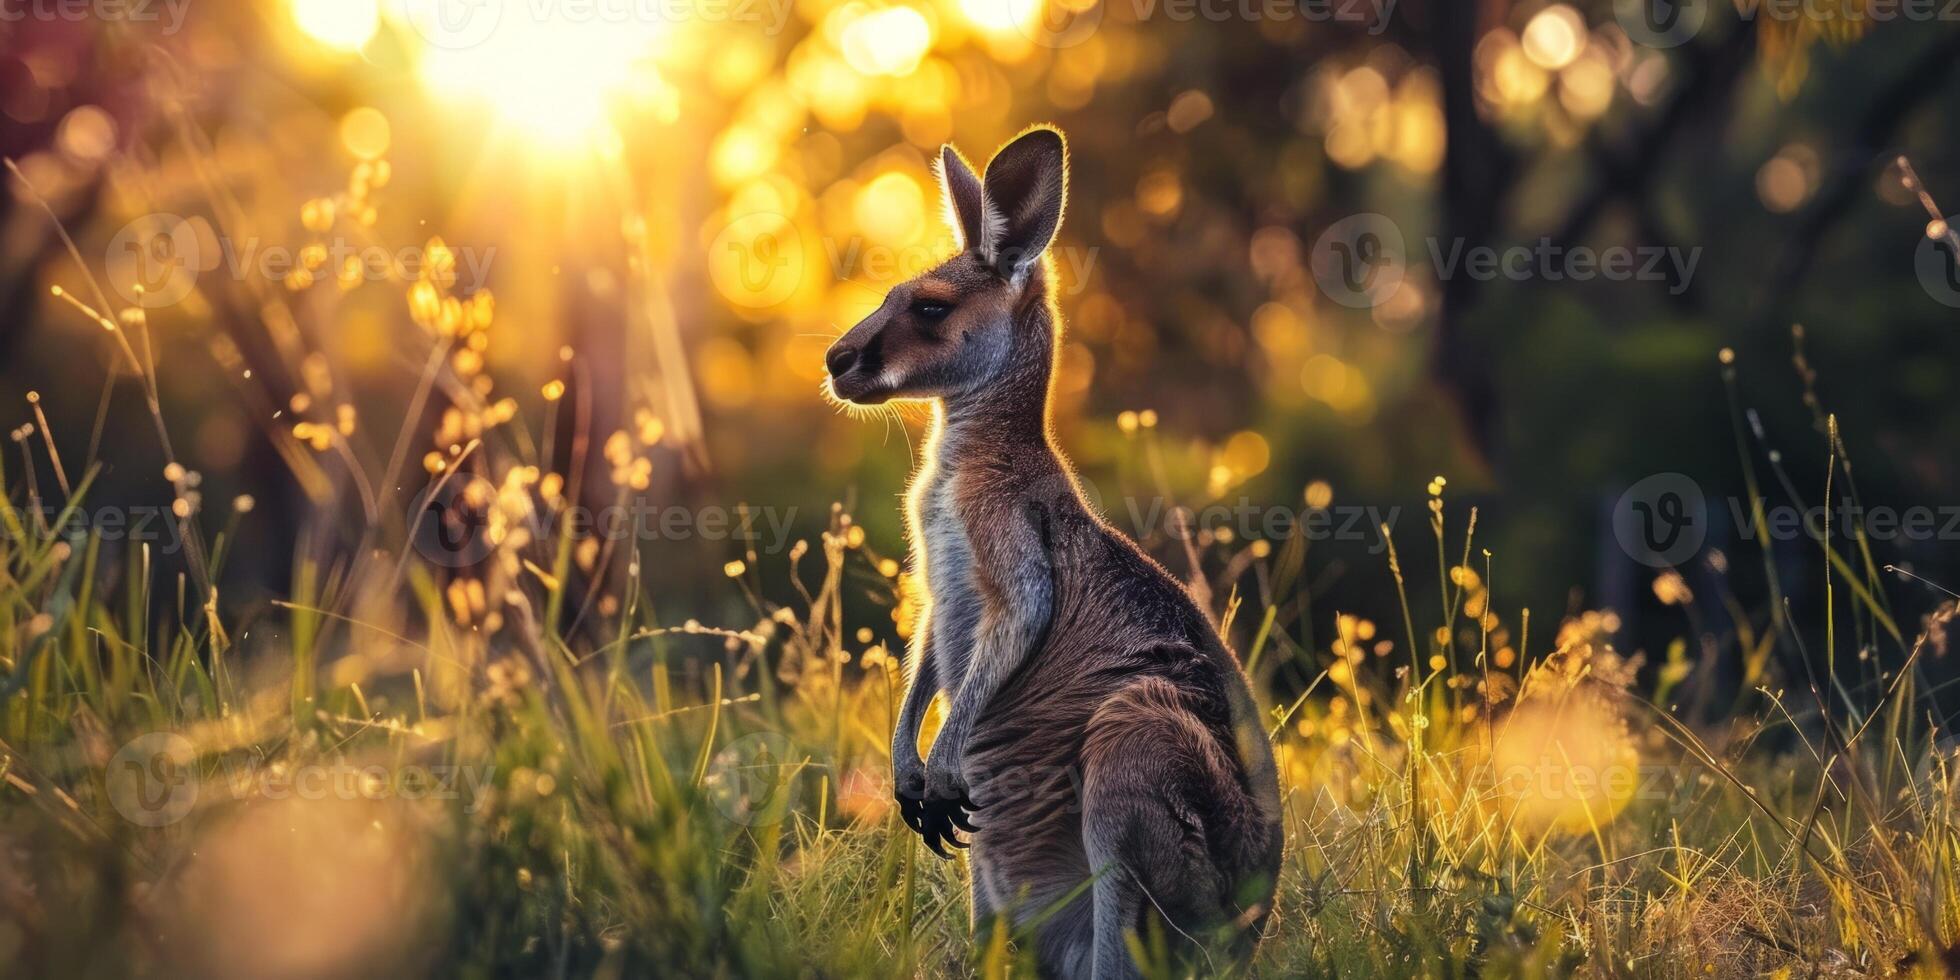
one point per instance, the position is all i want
(963, 198)
(1026, 187)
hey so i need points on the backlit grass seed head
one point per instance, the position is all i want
(650, 428)
(368, 176)
(440, 263)
(317, 215)
(317, 373)
(318, 438)
(508, 678)
(477, 493)
(425, 305)
(458, 427)
(1352, 636)
(1319, 494)
(629, 469)
(511, 515)
(1594, 626)
(1671, 589)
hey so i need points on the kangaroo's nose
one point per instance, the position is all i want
(841, 359)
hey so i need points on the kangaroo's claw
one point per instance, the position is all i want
(932, 841)
(938, 819)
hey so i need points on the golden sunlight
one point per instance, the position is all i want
(885, 42)
(550, 72)
(1002, 17)
(1555, 36)
(343, 24)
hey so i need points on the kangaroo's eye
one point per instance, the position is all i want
(931, 310)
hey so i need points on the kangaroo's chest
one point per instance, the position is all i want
(943, 549)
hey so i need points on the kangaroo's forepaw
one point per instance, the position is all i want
(941, 817)
(933, 820)
(935, 808)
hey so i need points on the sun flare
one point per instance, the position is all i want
(552, 73)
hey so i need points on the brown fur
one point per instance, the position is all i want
(1098, 729)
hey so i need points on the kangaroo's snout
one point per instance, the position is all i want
(855, 362)
(840, 360)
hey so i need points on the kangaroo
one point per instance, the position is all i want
(1098, 732)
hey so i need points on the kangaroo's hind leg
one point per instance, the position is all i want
(1148, 779)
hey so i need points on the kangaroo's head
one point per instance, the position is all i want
(958, 328)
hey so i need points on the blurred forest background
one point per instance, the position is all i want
(678, 205)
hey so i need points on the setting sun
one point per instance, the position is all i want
(551, 72)
(344, 24)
